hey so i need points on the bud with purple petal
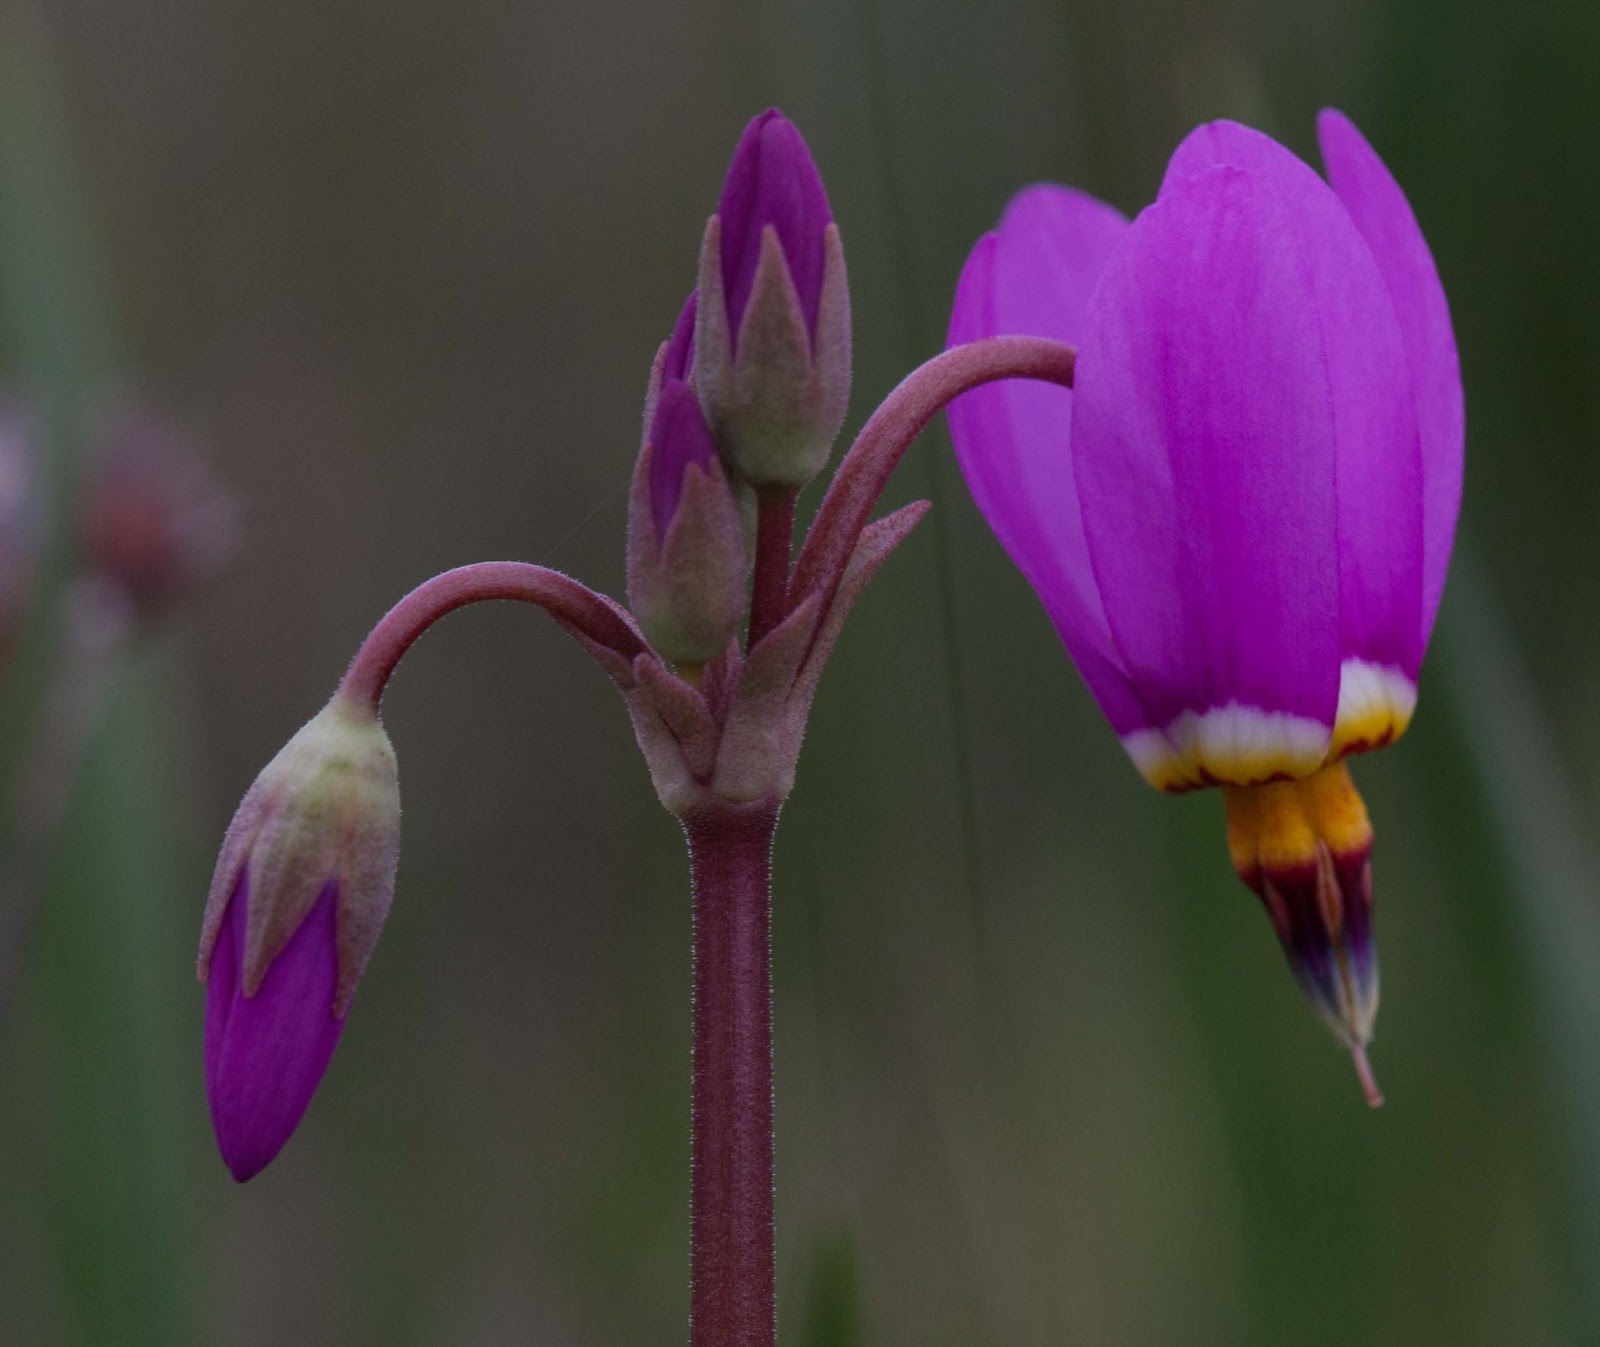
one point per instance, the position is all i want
(297, 901)
(773, 333)
(686, 553)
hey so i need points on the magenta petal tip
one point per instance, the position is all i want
(773, 180)
(265, 1054)
(679, 437)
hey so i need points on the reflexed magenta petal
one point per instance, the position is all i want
(1379, 473)
(265, 1054)
(773, 180)
(1383, 215)
(1203, 443)
(1013, 438)
(679, 436)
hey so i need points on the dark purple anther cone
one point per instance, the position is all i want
(265, 1054)
(773, 181)
(1322, 912)
(678, 437)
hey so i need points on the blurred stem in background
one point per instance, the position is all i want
(94, 635)
(91, 1107)
(1550, 865)
(920, 336)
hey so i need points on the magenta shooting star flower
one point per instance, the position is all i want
(299, 896)
(1241, 517)
(772, 335)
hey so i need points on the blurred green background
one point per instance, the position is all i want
(1042, 1077)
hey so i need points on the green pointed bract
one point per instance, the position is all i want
(774, 393)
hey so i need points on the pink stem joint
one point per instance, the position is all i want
(726, 631)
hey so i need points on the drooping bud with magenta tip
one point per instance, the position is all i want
(299, 896)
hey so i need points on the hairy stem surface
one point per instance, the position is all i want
(731, 1222)
(769, 592)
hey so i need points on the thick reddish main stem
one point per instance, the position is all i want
(732, 1266)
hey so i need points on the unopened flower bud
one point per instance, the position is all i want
(154, 523)
(772, 363)
(297, 901)
(686, 555)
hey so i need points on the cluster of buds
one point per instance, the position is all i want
(742, 407)
(745, 399)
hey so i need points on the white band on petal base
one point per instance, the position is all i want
(1232, 745)
(1376, 702)
(1238, 745)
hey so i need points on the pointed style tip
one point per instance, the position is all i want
(1369, 1082)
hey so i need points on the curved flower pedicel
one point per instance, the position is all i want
(1241, 517)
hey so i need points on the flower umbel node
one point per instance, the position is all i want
(298, 899)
